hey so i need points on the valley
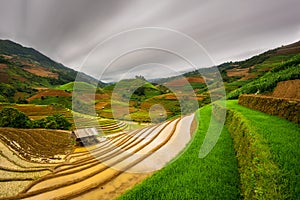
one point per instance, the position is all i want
(149, 133)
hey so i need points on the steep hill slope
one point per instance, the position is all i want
(237, 74)
(289, 70)
(23, 69)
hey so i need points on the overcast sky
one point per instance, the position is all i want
(68, 30)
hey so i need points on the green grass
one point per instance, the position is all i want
(65, 102)
(235, 85)
(150, 92)
(189, 177)
(139, 116)
(149, 85)
(274, 61)
(193, 85)
(268, 154)
(283, 138)
(79, 86)
(260, 175)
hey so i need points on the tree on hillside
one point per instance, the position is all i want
(140, 77)
(56, 121)
(140, 91)
(11, 117)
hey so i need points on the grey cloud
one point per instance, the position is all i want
(229, 30)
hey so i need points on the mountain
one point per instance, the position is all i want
(237, 74)
(23, 70)
(289, 70)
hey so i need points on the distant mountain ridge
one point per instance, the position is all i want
(9, 48)
(260, 63)
(23, 70)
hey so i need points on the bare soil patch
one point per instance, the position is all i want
(40, 71)
(3, 66)
(184, 81)
(288, 89)
(238, 72)
(249, 76)
(50, 92)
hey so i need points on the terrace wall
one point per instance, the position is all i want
(284, 108)
(259, 175)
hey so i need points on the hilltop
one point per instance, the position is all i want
(24, 70)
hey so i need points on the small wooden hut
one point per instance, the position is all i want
(85, 136)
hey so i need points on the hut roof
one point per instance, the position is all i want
(86, 132)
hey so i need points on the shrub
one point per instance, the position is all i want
(56, 121)
(11, 117)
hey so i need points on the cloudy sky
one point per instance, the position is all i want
(118, 38)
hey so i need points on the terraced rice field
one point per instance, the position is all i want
(37, 144)
(108, 169)
(16, 173)
(20, 147)
(105, 126)
(39, 111)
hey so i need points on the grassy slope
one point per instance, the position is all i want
(216, 175)
(65, 102)
(189, 177)
(78, 85)
(283, 138)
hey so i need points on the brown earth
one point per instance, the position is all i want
(101, 96)
(41, 88)
(196, 80)
(33, 144)
(50, 92)
(238, 72)
(101, 105)
(4, 77)
(289, 49)
(3, 66)
(22, 79)
(249, 76)
(6, 56)
(40, 71)
(288, 89)
(172, 96)
(184, 81)
(116, 187)
(168, 97)
(38, 111)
